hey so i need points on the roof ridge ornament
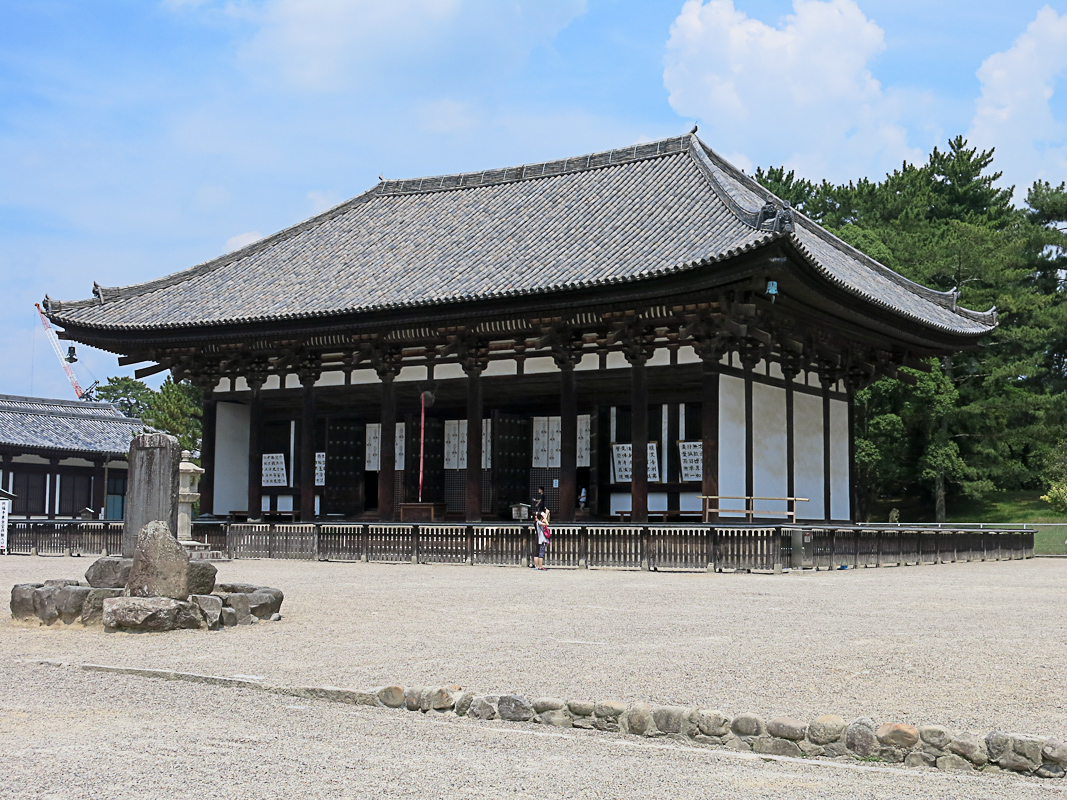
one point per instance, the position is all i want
(778, 219)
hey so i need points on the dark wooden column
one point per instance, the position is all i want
(852, 507)
(790, 370)
(709, 429)
(568, 446)
(5, 471)
(673, 473)
(99, 488)
(749, 361)
(207, 455)
(387, 447)
(827, 382)
(53, 487)
(307, 449)
(255, 456)
(638, 435)
(473, 368)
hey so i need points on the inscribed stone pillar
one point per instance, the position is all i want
(152, 486)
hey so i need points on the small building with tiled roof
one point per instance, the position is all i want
(60, 457)
(642, 326)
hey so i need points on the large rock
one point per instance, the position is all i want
(637, 719)
(277, 594)
(772, 746)
(151, 614)
(22, 600)
(236, 588)
(514, 708)
(711, 723)
(210, 606)
(672, 719)
(543, 704)
(954, 762)
(787, 728)
(44, 603)
(93, 608)
(1055, 751)
(483, 707)
(391, 696)
(860, 738)
(935, 736)
(160, 565)
(61, 582)
(748, 725)
(898, 734)
(70, 601)
(826, 728)
(256, 604)
(201, 577)
(970, 747)
(109, 573)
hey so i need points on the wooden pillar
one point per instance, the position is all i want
(750, 473)
(53, 487)
(474, 441)
(99, 488)
(826, 447)
(673, 473)
(207, 455)
(568, 430)
(852, 454)
(638, 437)
(5, 472)
(255, 457)
(307, 451)
(709, 429)
(790, 435)
(387, 449)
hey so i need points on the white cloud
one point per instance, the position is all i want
(242, 240)
(801, 93)
(329, 45)
(448, 116)
(1014, 113)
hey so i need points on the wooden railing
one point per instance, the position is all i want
(753, 548)
(750, 512)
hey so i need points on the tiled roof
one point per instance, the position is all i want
(39, 424)
(605, 218)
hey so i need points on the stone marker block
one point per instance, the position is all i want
(151, 486)
(109, 573)
(160, 565)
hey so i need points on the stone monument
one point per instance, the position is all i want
(152, 486)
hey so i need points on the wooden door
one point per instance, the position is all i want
(511, 461)
(346, 444)
(433, 478)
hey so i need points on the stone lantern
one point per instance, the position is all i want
(188, 484)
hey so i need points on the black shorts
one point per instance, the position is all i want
(541, 548)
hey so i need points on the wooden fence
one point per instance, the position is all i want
(751, 548)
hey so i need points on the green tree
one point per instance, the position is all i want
(130, 395)
(176, 408)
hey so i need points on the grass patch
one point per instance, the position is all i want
(1001, 508)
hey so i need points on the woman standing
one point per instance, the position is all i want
(543, 535)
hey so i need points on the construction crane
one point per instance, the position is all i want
(67, 360)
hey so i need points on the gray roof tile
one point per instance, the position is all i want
(40, 424)
(607, 217)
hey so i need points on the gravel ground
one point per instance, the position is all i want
(69, 734)
(972, 646)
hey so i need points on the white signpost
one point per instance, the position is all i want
(320, 469)
(692, 454)
(4, 508)
(274, 472)
(622, 460)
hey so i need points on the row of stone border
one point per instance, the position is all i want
(826, 736)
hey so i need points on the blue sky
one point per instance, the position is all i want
(138, 138)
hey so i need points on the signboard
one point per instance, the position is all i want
(399, 444)
(540, 442)
(487, 444)
(622, 462)
(373, 461)
(274, 471)
(692, 454)
(4, 508)
(583, 440)
(320, 469)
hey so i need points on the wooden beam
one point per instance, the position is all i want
(144, 372)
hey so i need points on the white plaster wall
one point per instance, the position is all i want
(688, 355)
(240, 385)
(840, 502)
(446, 372)
(533, 366)
(690, 501)
(331, 378)
(272, 382)
(292, 381)
(774, 369)
(732, 463)
(617, 360)
(363, 376)
(623, 501)
(413, 373)
(808, 455)
(587, 362)
(661, 357)
(508, 367)
(231, 459)
(769, 478)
